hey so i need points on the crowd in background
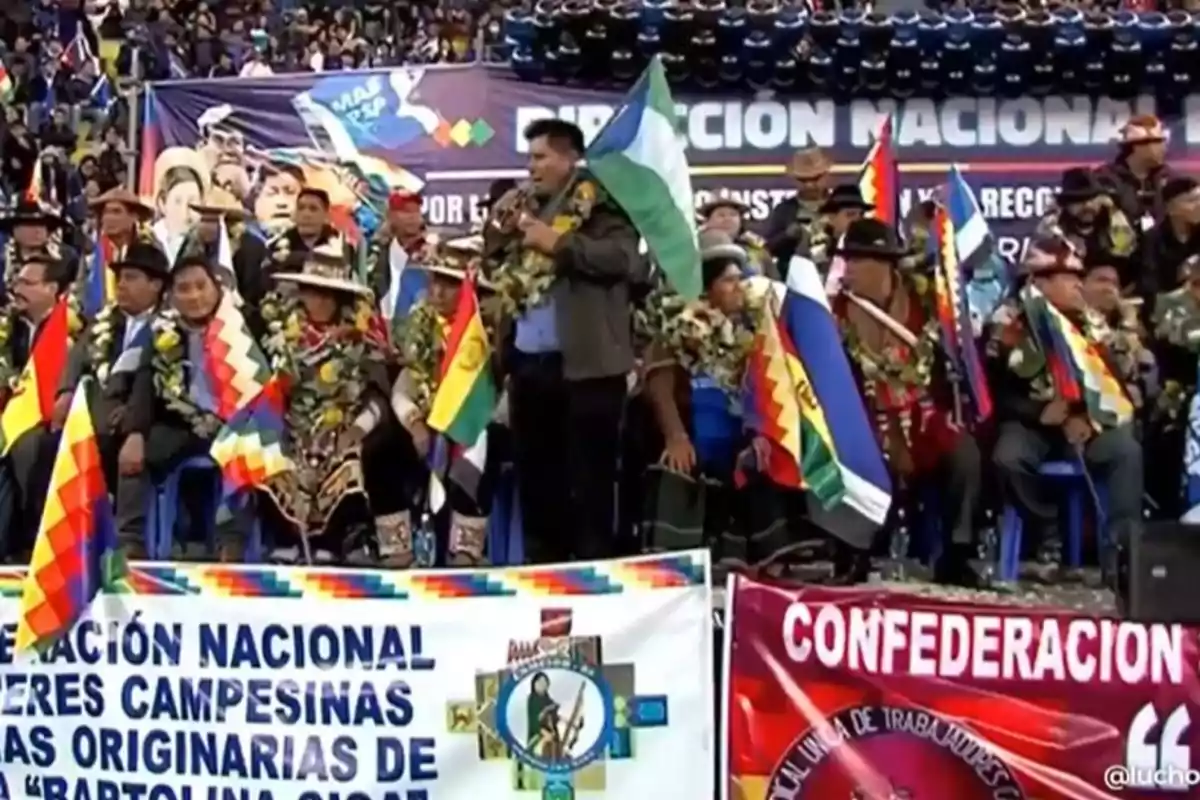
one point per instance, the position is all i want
(67, 67)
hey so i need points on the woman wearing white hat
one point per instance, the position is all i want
(325, 340)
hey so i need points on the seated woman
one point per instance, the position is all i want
(325, 342)
(467, 475)
(187, 391)
(695, 364)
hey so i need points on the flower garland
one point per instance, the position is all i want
(901, 367)
(326, 368)
(170, 366)
(8, 371)
(12, 264)
(101, 338)
(699, 337)
(525, 275)
(423, 349)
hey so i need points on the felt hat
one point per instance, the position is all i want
(1078, 185)
(220, 203)
(1177, 187)
(870, 238)
(127, 198)
(1051, 256)
(144, 257)
(718, 245)
(1143, 129)
(705, 211)
(326, 267)
(809, 164)
(29, 213)
(844, 197)
(456, 257)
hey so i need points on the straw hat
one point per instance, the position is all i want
(326, 267)
(180, 157)
(127, 198)
(456, 256)
(716, 245)
(220, 203)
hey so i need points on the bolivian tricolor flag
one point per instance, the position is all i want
(466, 395)
(879, 180)
(32, 402)
(75, 554)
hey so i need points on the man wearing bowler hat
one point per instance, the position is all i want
(890, 328)
(1038, 424)
(1086, 217)
(787, 227)
(116, 345)
(844, 205)
(28, 227)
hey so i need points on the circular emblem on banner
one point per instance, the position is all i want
(555, 714)
(891, 753)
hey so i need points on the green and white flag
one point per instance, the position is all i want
(640, 158)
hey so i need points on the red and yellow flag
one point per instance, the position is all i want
(466, 395)
(32, 402)
(879, 180)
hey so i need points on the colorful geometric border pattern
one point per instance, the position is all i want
(667, 571)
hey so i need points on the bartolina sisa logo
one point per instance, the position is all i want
(557, 712)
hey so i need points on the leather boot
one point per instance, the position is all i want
(468, 541)
(395, 535)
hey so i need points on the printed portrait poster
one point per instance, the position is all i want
(867, 694)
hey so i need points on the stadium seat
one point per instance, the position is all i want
(163, 515)
(1070, 474)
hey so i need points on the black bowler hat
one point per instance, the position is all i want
(870, 238)
(1079, 184)
(29, 213)
(845, 197)
(144, 257)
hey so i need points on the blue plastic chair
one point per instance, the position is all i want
(506, 542)
(163, 515)
(1012, 527)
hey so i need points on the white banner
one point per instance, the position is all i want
(246, 683)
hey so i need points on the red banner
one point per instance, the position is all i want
(858, 694)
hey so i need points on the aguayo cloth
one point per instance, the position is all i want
(309, 495)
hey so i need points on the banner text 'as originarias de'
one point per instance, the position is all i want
(222, 683)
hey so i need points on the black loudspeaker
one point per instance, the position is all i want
(1157, 579)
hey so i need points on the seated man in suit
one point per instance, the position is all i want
(1044, 417)
(39, 284)
(180, 398)
(116, 344)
